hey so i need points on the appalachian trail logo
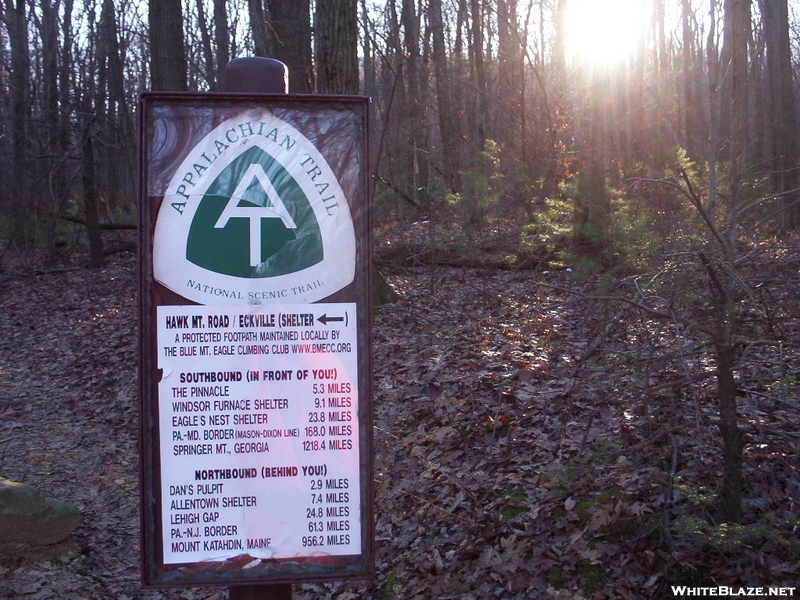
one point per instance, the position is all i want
(254, 214)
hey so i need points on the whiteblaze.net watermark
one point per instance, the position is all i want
(733, 591)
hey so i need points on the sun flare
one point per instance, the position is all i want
(603, 32)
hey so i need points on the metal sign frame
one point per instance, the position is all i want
(208, 163)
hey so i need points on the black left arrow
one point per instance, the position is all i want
(325, 319)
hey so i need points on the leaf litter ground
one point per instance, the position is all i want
(526, 446)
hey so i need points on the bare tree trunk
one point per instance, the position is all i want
(659, 20)
(367, 47)
(124, 163)
(479, 74)
(65, 85)
(732, 438)
(167, 53)
(49, 35)
(65, 73)
(509, 76)
(414, 109)
(734, 56)
(258, 25)
(713, 111)
(15, 19)
(55, 191)
(723, 294)
(737, 33)
(447, 128)
(208, 53)
(222, 35)
(783, 126)
(559, 50)
(689, 95)
(290, 41)
(90, 199)
(336, 47)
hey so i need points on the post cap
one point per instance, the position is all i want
(256, 75)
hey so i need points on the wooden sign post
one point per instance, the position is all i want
(255, 338)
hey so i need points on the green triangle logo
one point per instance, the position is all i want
(254, 221)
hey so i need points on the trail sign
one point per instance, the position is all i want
(227, 234)
(255, 337)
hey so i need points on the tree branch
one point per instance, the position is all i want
(79, 221)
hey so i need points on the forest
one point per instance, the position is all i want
(586, 358)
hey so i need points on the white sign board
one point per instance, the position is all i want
(252, 396)
(255, 328)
